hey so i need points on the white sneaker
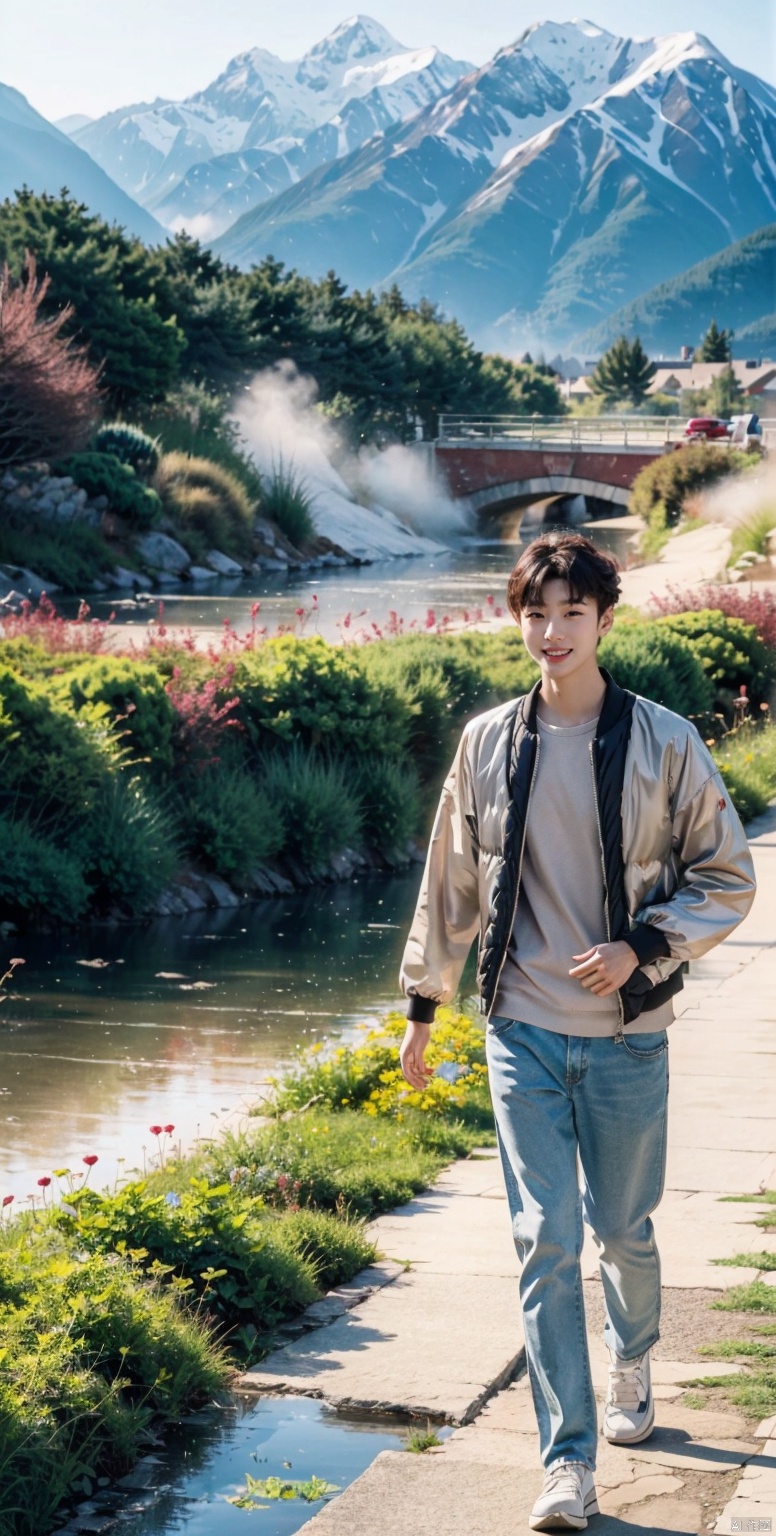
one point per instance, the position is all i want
(629, 1410)
(566, 1500)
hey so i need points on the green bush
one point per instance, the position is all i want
(100, 474)
(51, 765)
(658, 664)
(127, 846)
(670, 479)
(136, 699)
(130, 446)
(315, 805)
(746, 758)
(207, 503)
(389, 794)
(730, 652)
(37, 877)
(229, 821)
(70, 555)
(287, 502)
(439, 680)
(222, 1249)
(316, 694)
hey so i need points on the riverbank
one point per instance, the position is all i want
(219, 1248)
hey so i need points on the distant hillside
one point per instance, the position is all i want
(736, 288)
(36, 154)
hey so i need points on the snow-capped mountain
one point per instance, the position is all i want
(36, 154)
(264, 123)
(546, 189)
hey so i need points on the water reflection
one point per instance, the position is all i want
(110, 1032)
(289, 1437)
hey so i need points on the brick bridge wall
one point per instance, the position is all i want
(468, 471)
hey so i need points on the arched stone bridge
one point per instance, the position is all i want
(507, 468)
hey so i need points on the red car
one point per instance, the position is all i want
(708, 427)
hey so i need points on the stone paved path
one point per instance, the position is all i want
(444, 1336)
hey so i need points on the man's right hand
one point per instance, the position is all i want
(412, 1055)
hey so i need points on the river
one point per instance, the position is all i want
(106, 1032)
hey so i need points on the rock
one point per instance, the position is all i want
(270, 563)
(67, 510)
(47, 506)
(100, 503)
(164, 554)
(264, 530)
(223, 564)
(100, 586)
(201, 573)
(221, 894)
(27, 582)
(122, 577)
(21, 494)
(9, 481)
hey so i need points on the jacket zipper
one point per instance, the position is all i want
(519, 875)
(619, 1037)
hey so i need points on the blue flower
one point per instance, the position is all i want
(172, 1199)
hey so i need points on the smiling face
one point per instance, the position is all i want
(562, 634)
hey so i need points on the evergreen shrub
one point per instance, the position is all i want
(100, 474)
(130, 446)
(36, 877)
(137, 702)
(730, 651)
(389, 794)
(319, 695)
(661, 666)
(669, 480)
(70, 555)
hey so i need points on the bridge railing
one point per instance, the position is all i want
(576, 431)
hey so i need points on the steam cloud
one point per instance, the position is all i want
(278, 419)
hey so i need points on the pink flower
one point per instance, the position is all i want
(156, 1130)
(90, 1160)
(44, 1182)
(8, 1200)
(169, 1129)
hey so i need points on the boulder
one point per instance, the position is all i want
(124, 578)
(224, 565)
(201, 573)
(27, 582)
(162, 553)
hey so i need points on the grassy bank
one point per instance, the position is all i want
(119, 771)
(125, 1309)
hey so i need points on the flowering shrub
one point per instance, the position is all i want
(735, 601)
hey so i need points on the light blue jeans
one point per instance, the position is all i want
(557, 1097)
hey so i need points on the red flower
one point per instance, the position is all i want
(90, 1160)
(44, 1182)
(169, 1129)
(156, 1130)
(8, 1200)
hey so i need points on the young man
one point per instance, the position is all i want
(585, 835)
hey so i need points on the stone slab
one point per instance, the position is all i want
(400, 1349)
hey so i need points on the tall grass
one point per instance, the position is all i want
(286, 500)
(315, 804)
(752, 534)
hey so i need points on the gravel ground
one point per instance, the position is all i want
(687, 1321)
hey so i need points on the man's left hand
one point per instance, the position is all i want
(605, 968)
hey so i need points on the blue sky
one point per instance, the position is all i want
(92, 55)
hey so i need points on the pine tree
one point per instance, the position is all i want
(725, 395)
(623, 373)
(715, 347)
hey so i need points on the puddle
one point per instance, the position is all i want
(285, 1437)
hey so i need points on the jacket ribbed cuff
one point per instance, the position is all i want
(421, 1010)
(648, 943)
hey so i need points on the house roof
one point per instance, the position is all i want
(702, 375)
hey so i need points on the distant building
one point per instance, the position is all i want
(755, 378)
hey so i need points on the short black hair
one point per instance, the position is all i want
(566, 557)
